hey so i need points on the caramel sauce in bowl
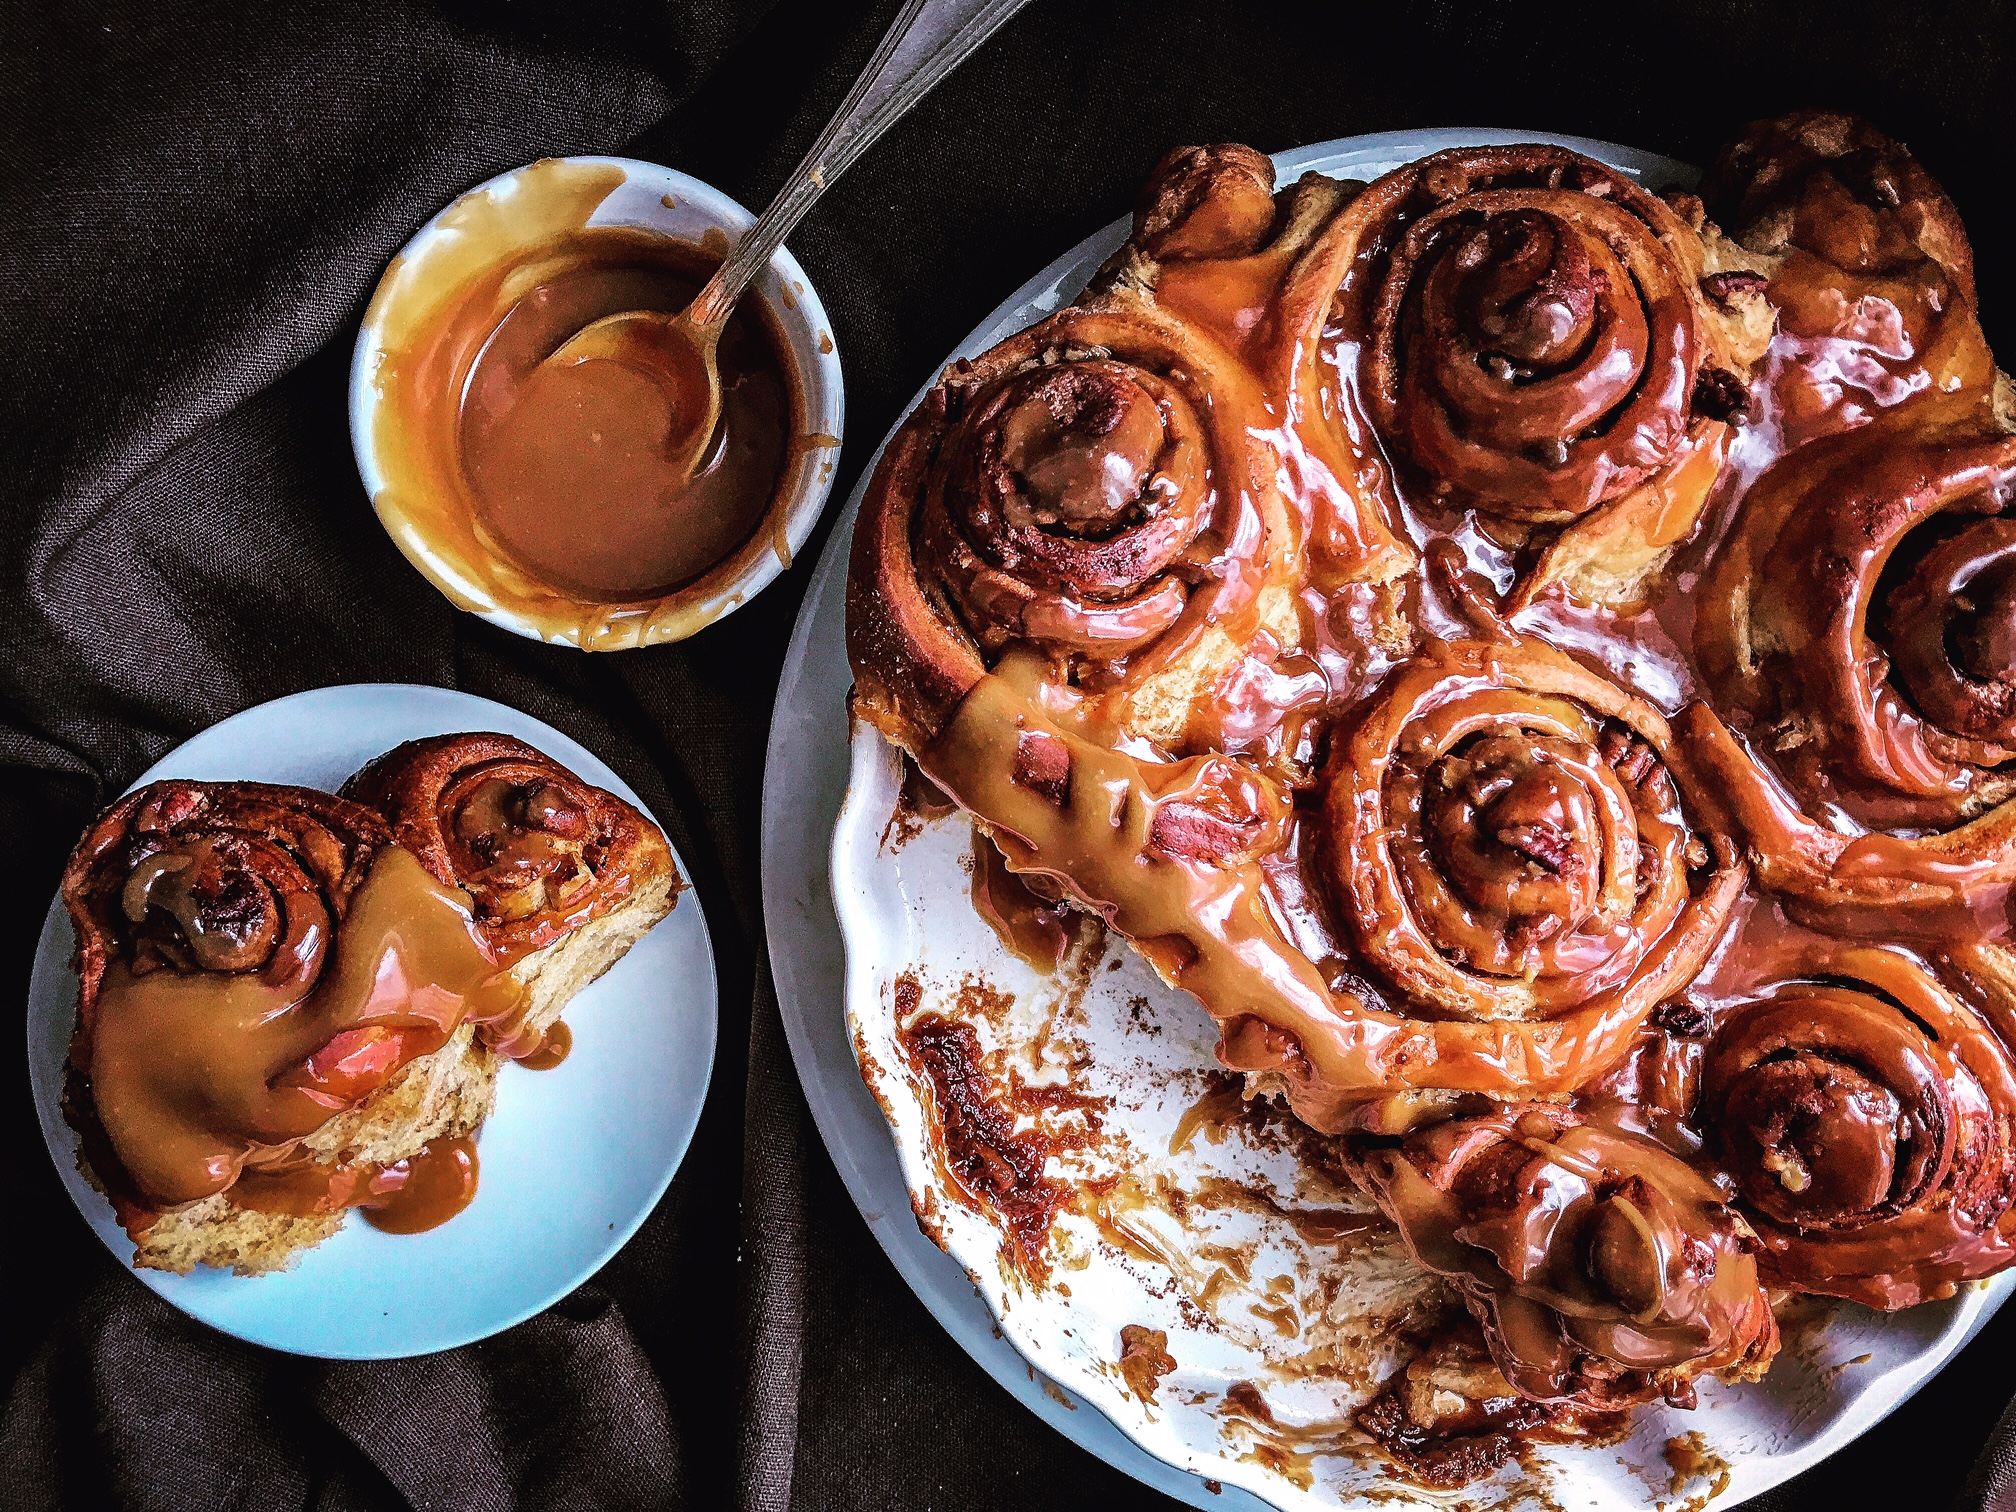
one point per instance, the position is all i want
(543, 497)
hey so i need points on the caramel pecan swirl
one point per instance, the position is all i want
(215, 877)
(1865, 1112)
(1533, 336)
(1606, 1271)
(1077, 488)
(1205, 202)
(240, 881)
(1871, 274)
(539, 851)
(1504, 842)
(1859, 628)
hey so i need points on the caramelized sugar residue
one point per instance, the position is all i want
(997, 1162)
(1144, 1359)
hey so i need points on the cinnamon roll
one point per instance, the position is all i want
(563, 877)
(1859, 628)
(1534, 337)
(1869, 269)
(1087, 487)
(1506, 845)
(1867, 1114)
(1605, 1270)
(1216, 600)
(233, 945)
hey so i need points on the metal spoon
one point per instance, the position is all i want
(928, 39)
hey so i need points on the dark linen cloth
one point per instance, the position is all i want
(195, 201)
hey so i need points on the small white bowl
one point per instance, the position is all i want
(462, 243)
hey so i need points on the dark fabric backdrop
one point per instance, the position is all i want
(195, 201)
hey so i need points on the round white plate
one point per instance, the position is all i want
(806, 783)
(573, 1159)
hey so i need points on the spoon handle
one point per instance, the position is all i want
(928, 39)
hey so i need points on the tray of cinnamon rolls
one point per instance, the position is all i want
(281, 1020)
(1427, 865)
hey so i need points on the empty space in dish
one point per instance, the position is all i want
(1283, 1297)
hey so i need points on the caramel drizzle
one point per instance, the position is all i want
(1211, 929)
(195, 1075)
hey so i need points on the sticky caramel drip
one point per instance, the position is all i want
(1571, 1242)
(192, 1074)
(1210, 928)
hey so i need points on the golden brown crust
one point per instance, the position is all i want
(1834, 185)
(539, 851)
(1205, 202)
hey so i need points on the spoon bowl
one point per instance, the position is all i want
(674, 351)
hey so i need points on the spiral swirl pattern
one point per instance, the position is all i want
(1859, 627)
(1865, 1112)
(1067, 496)
(1531, 327)
(1504, 840)
(238, 877)
(539, 851)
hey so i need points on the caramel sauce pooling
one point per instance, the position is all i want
(550, 494)
(193, 1074)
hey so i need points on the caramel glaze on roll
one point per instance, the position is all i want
(1119, 488)
(1869, 270)
(233, 941)
(292, 1003)
(1541, 673)
(1606, 1271)
(1507, 847)
(1534, 330)
(1868, 1116)
(563, 876)
(1859, 629)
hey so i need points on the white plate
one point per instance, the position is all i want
(573, 1159)
(1820, 1407)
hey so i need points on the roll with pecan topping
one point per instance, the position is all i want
(1605, 1270)
(1075, 488)
(1534, 338)
(1506, 846)
(207, 916)
(1871, 276)
(540, 852)
(1859, 627)
(1867, 1114)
